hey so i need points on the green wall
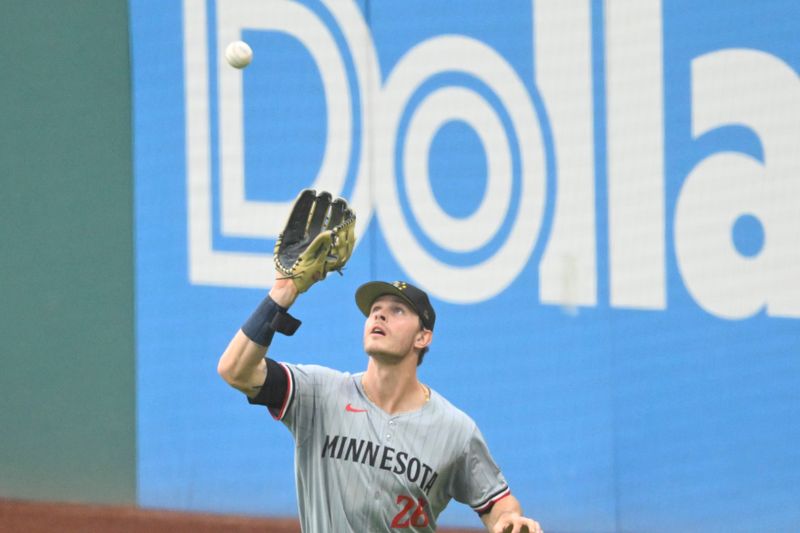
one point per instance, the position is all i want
(67, 404)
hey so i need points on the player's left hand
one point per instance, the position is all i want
(319, 237)
(514, 523)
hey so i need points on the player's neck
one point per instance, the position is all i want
(393, 388)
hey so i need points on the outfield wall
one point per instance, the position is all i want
(67, 402)
(601, 197)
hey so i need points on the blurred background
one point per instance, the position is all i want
(602, 198)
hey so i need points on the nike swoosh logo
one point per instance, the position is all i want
(351, 409)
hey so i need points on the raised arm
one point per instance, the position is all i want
(242, 364)
(318, 237)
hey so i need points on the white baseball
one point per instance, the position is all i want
(238, 54)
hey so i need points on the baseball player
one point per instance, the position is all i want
(376, 451)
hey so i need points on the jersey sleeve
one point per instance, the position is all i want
(303, 391)
(478, 481)
(277, 392)
(294, 393)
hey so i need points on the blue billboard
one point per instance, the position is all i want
(601, 198)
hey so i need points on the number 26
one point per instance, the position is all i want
(412, 513)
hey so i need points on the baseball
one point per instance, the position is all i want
(238, 54)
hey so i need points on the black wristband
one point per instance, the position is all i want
(285, 323)
(268, 318)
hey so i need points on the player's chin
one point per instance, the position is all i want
(374, 343)
(375, 350)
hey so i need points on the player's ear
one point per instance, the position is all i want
(423, 338)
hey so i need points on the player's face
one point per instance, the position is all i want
(393, 329)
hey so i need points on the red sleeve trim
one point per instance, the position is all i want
(485, 508)
(287, 397)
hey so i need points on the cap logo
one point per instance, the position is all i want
(400, 285)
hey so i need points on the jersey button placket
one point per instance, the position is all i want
(389, 431)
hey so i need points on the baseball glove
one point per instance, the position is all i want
(318, 238)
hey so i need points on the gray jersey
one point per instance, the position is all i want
(361, 470)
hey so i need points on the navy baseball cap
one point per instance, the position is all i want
(416, 298)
